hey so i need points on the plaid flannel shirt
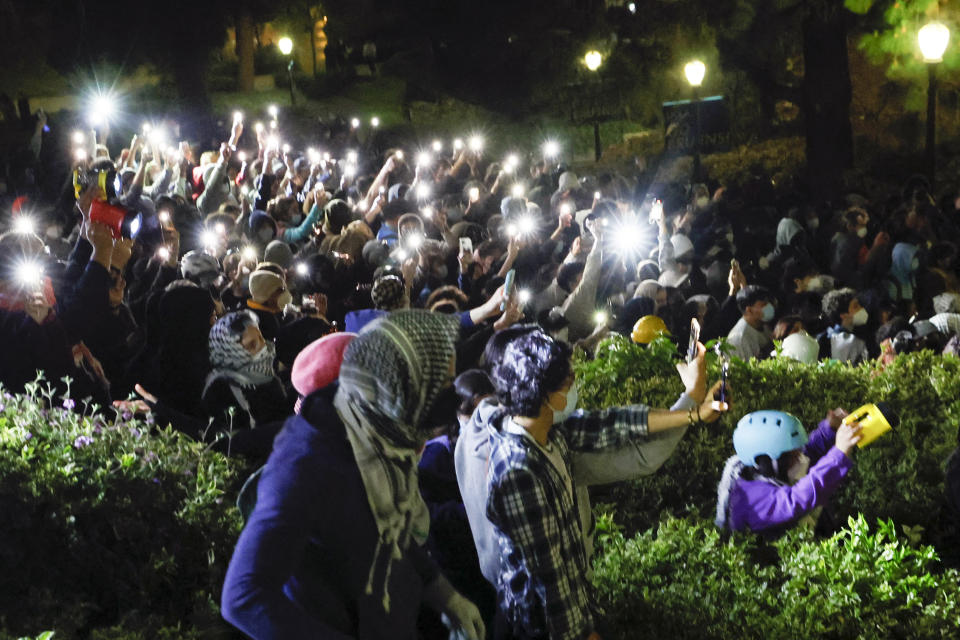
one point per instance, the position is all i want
(542, 587)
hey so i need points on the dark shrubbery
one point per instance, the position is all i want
(109, 530)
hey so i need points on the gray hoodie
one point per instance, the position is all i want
(472, 454)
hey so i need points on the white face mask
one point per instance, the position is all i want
(860, 317)
(814, 284)
(563, 335)
(571, 406)
(703, 202)
(284, 299)
(799, 469)
(296, 219)
(862, 232)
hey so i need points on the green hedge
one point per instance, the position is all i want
(899, 476)
(109, 531)
(690, 581)
(670, 573)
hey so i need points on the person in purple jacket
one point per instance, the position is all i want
(770, 485)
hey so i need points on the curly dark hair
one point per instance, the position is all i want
(836, 303)
(533, 366)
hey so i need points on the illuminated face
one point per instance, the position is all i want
(252, 340)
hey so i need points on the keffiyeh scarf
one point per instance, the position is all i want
(228, 358)
(390, 377)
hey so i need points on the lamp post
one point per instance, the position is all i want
(694, 71)
(592, 60)
(932, 38)
(285, 45)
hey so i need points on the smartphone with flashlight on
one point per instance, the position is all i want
(656, 211)
(723, 394)
(166, 219)
(29, 276)
(694, 339)
(466, 245)
(508, 287)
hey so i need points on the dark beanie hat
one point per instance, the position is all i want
(258, 218)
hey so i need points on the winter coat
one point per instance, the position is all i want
(300, 567)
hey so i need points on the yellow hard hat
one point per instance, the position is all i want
(647, 328)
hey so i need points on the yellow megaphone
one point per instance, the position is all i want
(874, 419)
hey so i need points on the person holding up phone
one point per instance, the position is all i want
(537, 434)
(40, 328)
(580, 306)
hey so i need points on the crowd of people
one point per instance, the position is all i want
(388, 332)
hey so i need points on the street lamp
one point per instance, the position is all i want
(932, 38)
(593, 59)
(695, 71)
(285, 45)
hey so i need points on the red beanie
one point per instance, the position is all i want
(319, 363)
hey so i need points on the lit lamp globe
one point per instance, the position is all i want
(933, 39)
(285, 45)
(593, 60)
(695, 71)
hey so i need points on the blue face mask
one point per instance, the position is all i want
(768, 312)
